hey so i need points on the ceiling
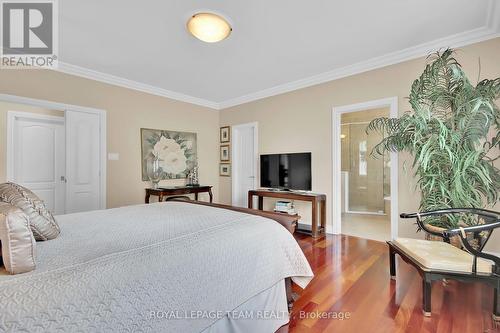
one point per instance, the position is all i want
(275, 46)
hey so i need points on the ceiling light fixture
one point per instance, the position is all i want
(209, 27)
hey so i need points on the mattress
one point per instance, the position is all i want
(109, 270)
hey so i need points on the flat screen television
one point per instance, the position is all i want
(286, 171)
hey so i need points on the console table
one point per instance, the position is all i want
(162, 192)
(318, 225)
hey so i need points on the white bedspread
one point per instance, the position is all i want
(110, 270)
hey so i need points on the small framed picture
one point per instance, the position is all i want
(225, 134)
(225, 153)
(225, 170)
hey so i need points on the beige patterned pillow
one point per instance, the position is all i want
(18, 243)
(42, 222)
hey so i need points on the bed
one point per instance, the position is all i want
(164, 267)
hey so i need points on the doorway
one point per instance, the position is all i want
(245, 158)
(58, 151)
(365, 185)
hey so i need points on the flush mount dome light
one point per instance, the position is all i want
(209, 27)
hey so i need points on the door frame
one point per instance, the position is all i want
(63, 107)
(234, 148)
(392, 104)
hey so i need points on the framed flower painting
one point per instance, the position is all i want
(174, 151)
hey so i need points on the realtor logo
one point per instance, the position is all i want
(29, 34)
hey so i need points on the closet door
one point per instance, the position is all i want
(83, 162)
(244, 157)
(37, 158)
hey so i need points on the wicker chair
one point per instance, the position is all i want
(441, 260)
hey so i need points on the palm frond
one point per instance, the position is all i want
(448, 133)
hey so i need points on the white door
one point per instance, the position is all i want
(83, 165)
(244, 162)
(37, 156)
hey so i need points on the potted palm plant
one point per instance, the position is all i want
(453, 136)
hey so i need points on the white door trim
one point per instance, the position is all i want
(64, 107)
(255, 126)
(392, 103)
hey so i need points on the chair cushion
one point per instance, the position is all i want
(41, 221)
(441, 256)
(18, 243)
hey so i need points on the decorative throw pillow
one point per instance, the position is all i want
(18, 243)
(42, 222)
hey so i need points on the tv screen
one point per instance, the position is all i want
(286, 171)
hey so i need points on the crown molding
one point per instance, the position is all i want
(130, 84)
(489, 31)
(458, 40)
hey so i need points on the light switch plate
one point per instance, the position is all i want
(113, 156)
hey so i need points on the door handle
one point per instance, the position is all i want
(63, 179)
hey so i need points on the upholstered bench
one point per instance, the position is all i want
(440, 256)
(436, 260)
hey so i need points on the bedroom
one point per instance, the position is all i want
(244, 97)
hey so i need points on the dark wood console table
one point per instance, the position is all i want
(163, 192)
(318, 226)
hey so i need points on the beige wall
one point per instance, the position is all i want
(127, 111)
(293, 122)
(302, 120)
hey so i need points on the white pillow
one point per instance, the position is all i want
(41, 221)
(18, 243)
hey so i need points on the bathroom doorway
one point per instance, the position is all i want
(365, 179)
(366, 184)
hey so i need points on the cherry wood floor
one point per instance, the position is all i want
(352, 275)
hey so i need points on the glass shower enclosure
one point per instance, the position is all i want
(366, 178)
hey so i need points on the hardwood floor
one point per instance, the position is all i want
(352, 279)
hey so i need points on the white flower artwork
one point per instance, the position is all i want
(176, 152)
